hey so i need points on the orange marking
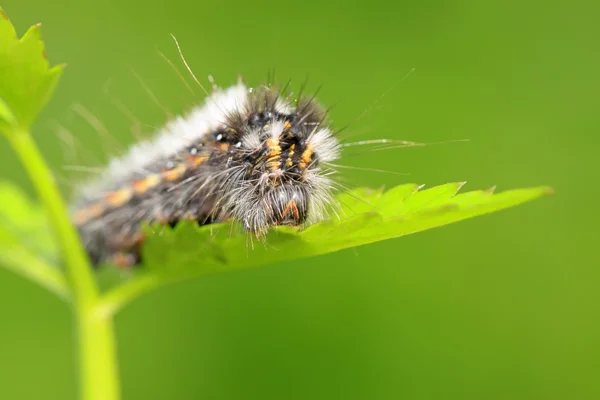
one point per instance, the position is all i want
(290, 154)
(120, 197)
(306, 157)
(287, 125)
(175, 173)
(196, 161)
(291, 206)
(86, 214)
(274, 153)
(223, 146)
(143, 185)
(273, 146)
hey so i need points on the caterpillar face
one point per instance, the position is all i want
(250, 155)
(280, 183)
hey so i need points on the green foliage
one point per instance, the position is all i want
(27, 80)
(26, 243)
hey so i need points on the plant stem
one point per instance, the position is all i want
(98, 358)
(97, 352)
(77, 267)
(115, 299)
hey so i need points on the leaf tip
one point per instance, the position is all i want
(57, 69)
(34, 32)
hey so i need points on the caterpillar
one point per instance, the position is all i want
(254, 155)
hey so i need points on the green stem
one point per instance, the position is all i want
(77, 266)
(97, 352)
(98, 358)
(115, 299)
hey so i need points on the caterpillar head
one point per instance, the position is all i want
(282, 178)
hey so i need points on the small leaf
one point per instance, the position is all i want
(367, 216)
(27, 246)
(26, 80)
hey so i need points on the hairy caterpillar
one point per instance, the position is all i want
(251, 154)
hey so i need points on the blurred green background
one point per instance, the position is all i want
(503, 306)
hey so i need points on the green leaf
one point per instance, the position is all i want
(365, 216)
(26, 80)
(26, 245)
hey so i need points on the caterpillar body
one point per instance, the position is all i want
(254, 155)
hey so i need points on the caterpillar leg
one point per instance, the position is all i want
(125, 250)
(123, 260)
